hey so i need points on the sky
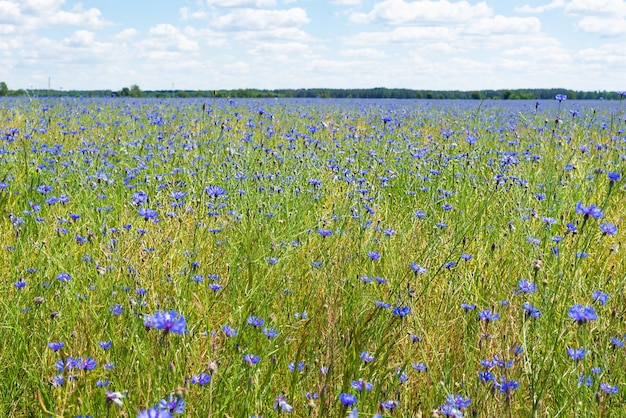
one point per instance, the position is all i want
(271, 44)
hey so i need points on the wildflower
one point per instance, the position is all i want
(600, 297)
(114, 397)
(611, 390)
(105, 345)
(453, 406)
(366, 356)
(613, 177)
(173, 404)
(488, 316)
(608, 229)
(526, 286)
(506, 386)
(576, 353)
(582, 314)
(64, 277)
(419, 366)
(200, 379)
(389, 405)
(373, 255)
(168, 321)
(617, 342)
(361, 385)
(270, 332)
(560, 97)
(486, 376)
(401, 311)
(56, 345)
(229, 331)
(292, 366)
(468, 307)
(325, 232)
(255, 321)
(418, 269)
(531, 311)
(281, 405)
(251, 359)
(147, 213)
(347, 399)
(382, 305)
(215, 286)
(154, 412)
(214, 191)
(587, 211)
(116, 309)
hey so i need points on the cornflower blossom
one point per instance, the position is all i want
(608, 229)
(531, 311)
(114, 397)
(172, 404)
(582, 314)
(488, 316)
(526, 286)
(281, 405)
(155, 412)
(366, 356)
(361, 385)
(201, 379)
(576, 353)
(347, 399)
(168, 321)
(587, 211)
(600, 297)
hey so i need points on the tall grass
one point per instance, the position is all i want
(382, 241)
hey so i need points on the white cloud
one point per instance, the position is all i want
(400, 12)
(186, 14)
(369, 53)
(555, 4)
(611, 8)
(167, 38)
(80, 39)
(36, 14)
(609, 27)
(501, 25)
(241, 3)
(345, 2)
(125, 35)
(252, 19)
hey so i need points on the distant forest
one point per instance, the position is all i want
(373, 93)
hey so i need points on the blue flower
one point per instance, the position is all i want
(361, 385)
(366, 356)
(488, 316)
(560, 97)
(173, 404)
(531, 311)
(587, 211)
(201, 379)
(168, 321)
(608, 229)
(214, 191)
(506, 386)
(576, 353)
(347, 399)
(56, 345)
(401, 311)
(611, 390)
(282, 405)
(155, 412)
(255, 321)
(582, 314)
(600, 297)
(526, 286)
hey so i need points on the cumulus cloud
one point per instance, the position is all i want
(555, 4)
(255, 19)
(241, 3)
(612, 8)
(400, 12)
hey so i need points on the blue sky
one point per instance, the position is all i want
(223, 44)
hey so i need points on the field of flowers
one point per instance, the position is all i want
(312, 258)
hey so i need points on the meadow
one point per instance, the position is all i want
(312, 258)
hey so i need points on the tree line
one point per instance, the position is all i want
(370, 93)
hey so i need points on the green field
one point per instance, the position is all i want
(323, 258)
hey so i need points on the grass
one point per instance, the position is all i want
(347, 227)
